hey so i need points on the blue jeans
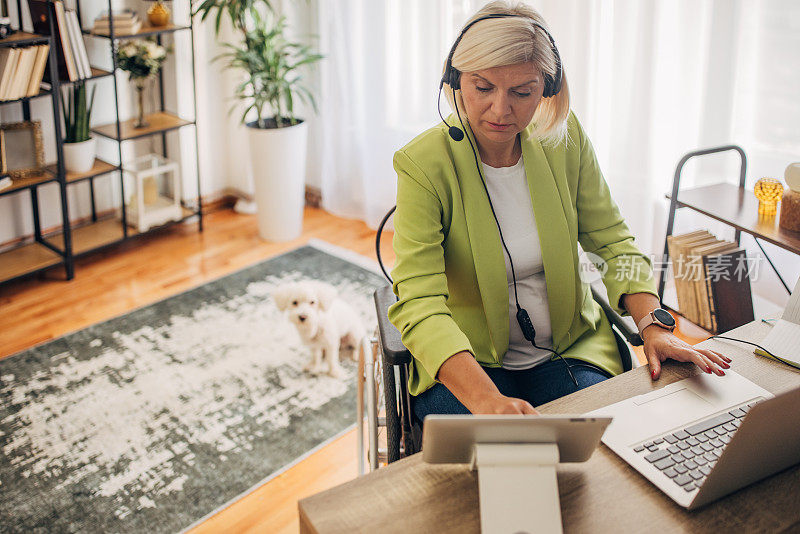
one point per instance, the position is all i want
(538, 385)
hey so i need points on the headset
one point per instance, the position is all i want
(552, 86)
(452, 76)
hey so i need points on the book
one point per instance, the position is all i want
(22, 74)
(784, 339)
(117, 14)
(128, 29)
(728, 285)
(677, 262)
(40, 18)
(35, 82)
(63, 34)
(702, 291)
(686, 270)
(78, 46)
(8, 63)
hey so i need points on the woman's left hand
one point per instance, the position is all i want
(660, 344)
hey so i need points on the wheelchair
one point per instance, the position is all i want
(385, 374)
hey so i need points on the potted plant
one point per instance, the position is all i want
(141, 59)
(272, 85)
(79, 145)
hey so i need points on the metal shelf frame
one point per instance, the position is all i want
(57, 170)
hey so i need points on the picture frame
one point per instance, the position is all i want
(21, 149)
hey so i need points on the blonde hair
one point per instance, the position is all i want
(508, 41)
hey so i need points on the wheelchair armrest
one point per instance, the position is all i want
(394, 352)
(631, 335)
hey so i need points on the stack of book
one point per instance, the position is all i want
(73, 62)
(712, 280)
(125, 22)
(21, 71)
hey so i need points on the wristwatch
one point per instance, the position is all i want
(660, 317)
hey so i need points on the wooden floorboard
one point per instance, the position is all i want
(154, 267)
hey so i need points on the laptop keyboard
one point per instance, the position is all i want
(686, 456)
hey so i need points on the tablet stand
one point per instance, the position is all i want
(517, 487)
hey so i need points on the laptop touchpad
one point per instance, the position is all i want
(675, 408)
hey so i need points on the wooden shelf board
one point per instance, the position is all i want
(22, 183)
(144, 31)
(26, 259)
(100, 167)
(738, 207)
(42, 92)
(96, 235)
(160, 121)
(96, 73)
(23, 38)
(92, 236)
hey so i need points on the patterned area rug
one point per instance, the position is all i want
(150, 421)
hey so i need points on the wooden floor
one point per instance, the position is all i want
(154, 267)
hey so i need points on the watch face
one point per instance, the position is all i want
(664, 316)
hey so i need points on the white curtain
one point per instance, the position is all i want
(650, 81)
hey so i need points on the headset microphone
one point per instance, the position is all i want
(455, 133)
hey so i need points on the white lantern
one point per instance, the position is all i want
(156, 196)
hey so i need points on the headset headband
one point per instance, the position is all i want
(452, 76)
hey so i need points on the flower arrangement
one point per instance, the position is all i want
(141, 59)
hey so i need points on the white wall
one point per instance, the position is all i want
(214, 142)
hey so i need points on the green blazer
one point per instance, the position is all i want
(449, 275)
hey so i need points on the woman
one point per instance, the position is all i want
(511, 178)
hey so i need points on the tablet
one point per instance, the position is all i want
(451, 438)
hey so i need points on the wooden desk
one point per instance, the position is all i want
(601, 495)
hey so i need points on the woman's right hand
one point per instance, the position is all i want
(500, 404)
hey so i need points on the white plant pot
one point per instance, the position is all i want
(79, 157)
(278, 156)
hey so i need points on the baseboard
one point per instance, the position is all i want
(313, 195)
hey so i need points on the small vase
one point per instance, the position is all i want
(140, 122)
(158, 14)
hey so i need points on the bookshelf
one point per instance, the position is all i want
(71, 240)
(734, 206)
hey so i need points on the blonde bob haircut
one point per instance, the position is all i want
(508, 41)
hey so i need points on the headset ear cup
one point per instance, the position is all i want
(548, 87)
(455, 79)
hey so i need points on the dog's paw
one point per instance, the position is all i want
(336, 372)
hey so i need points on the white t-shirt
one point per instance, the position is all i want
(508, 189)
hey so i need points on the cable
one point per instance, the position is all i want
(378, 242)
(523, 318)
(790, 364)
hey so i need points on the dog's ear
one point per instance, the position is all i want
(326, 294)
(281, 296)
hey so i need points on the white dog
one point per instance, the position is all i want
(325, 323)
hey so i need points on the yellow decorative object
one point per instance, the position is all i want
(158, 14)
(768, 191)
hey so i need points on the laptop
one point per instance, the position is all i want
(704, 437)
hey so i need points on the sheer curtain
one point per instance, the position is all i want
(650, 81)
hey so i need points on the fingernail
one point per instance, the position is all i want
(726, 366)
(720, 372)
(727, 359)
(708, 370)
(653, 374)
